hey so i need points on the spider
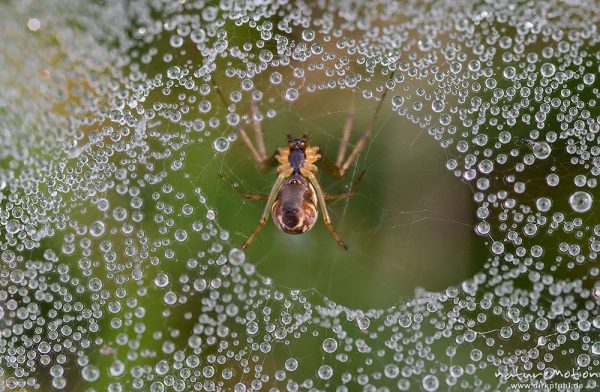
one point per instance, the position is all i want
(296, 193)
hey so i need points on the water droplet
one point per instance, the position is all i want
(430, 383)
(325, 372)
(291, 94)
(581, 201)
(541, 150)
(437, 106)
(291, 364)
(236, 256)
(548, 70)
(329, 345)
(308, 35)
(221, 144)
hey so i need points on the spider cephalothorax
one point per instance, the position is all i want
(296, 192)
(297, 143)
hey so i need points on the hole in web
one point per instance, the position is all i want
(409, 224)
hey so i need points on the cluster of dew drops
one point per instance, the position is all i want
(116, 275)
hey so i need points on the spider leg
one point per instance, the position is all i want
(345, 195)
(321, 197)
(258, 153)
(257, 156)
(331, 167)
(248, 196)
(346, 134)
(342, 165)
(258, 133)
(357, 150)
(268, 206)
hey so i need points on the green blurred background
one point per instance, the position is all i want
(410, 223)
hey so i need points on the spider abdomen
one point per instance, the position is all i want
(295, 208)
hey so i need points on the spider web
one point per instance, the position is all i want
(119, 244)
